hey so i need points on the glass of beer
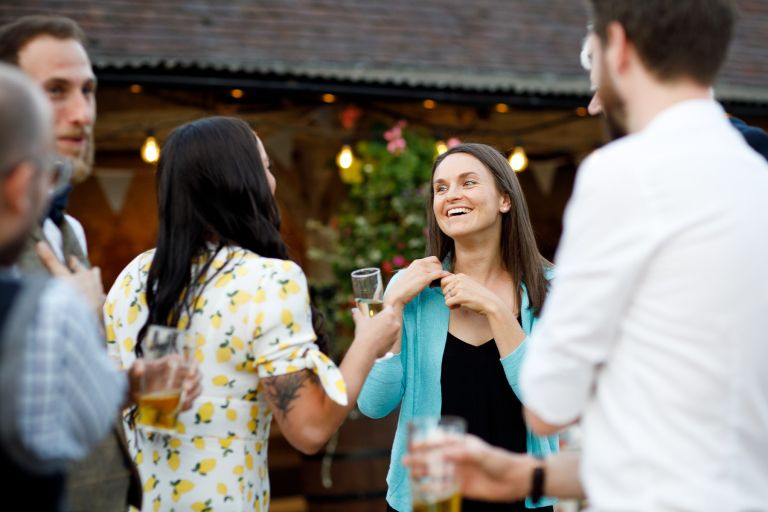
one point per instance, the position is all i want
(162, 382)
(368, 290)
(436, 488)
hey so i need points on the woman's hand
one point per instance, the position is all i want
(462, 291)
(380, 332)
(172, 368)
(415, 278)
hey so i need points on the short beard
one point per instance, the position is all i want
(82, 166)
(614, 111)
(614, 130)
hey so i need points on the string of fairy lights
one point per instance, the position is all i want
(518, 159)
(346, 158)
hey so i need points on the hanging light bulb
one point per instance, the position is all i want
(150, 150)
(345, 157)
(501, 108)
(518, 160)
(441, 147)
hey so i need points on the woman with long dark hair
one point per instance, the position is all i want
(463, 339)
(222, 272)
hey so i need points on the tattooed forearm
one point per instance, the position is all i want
(284, 389)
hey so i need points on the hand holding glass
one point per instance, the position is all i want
(368, 290)
(436, 487)
(166, 367)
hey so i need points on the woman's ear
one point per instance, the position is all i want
(506, 204)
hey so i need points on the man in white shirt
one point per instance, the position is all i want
(654, 332)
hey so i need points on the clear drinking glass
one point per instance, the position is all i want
(368, 290)
(438, 488)
(162, 382)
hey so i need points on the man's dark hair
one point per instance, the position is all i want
(674, 38)
(15, 35)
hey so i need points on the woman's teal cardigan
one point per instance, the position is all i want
(411, 379)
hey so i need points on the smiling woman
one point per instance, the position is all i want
(463, 342)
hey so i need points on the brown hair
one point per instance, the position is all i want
(15, 35)
(674, 38)
(519, 253)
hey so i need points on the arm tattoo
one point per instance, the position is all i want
(284, 389)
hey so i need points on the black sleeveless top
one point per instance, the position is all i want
(474, 386)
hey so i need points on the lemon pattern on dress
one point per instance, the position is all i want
(252, 321)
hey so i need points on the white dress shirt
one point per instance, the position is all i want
(55, 240)
(655, 331)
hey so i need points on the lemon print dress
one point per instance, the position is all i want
(252, 321)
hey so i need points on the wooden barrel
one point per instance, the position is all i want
(349, 475)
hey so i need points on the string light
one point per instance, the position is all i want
(329, 98)
(502, 108)
(150, 150)
(518, 160)
(441, 147)
(236, 93)
(345, 158)
(429, 104)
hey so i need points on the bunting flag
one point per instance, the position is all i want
(544, 172)
(279, 146)
(115, 184)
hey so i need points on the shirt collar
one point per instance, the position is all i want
(684, 114)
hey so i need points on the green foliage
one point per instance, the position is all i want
(382, 223)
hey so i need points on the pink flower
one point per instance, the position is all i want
(396, 146)
(398, 261)
(393, 133)
(396, 132)
(453, 141)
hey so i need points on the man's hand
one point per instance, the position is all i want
(86, 281)
(484, 472)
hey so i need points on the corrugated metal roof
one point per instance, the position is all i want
(503, 46)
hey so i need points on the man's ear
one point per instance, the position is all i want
(617, 47)
(15, 188)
